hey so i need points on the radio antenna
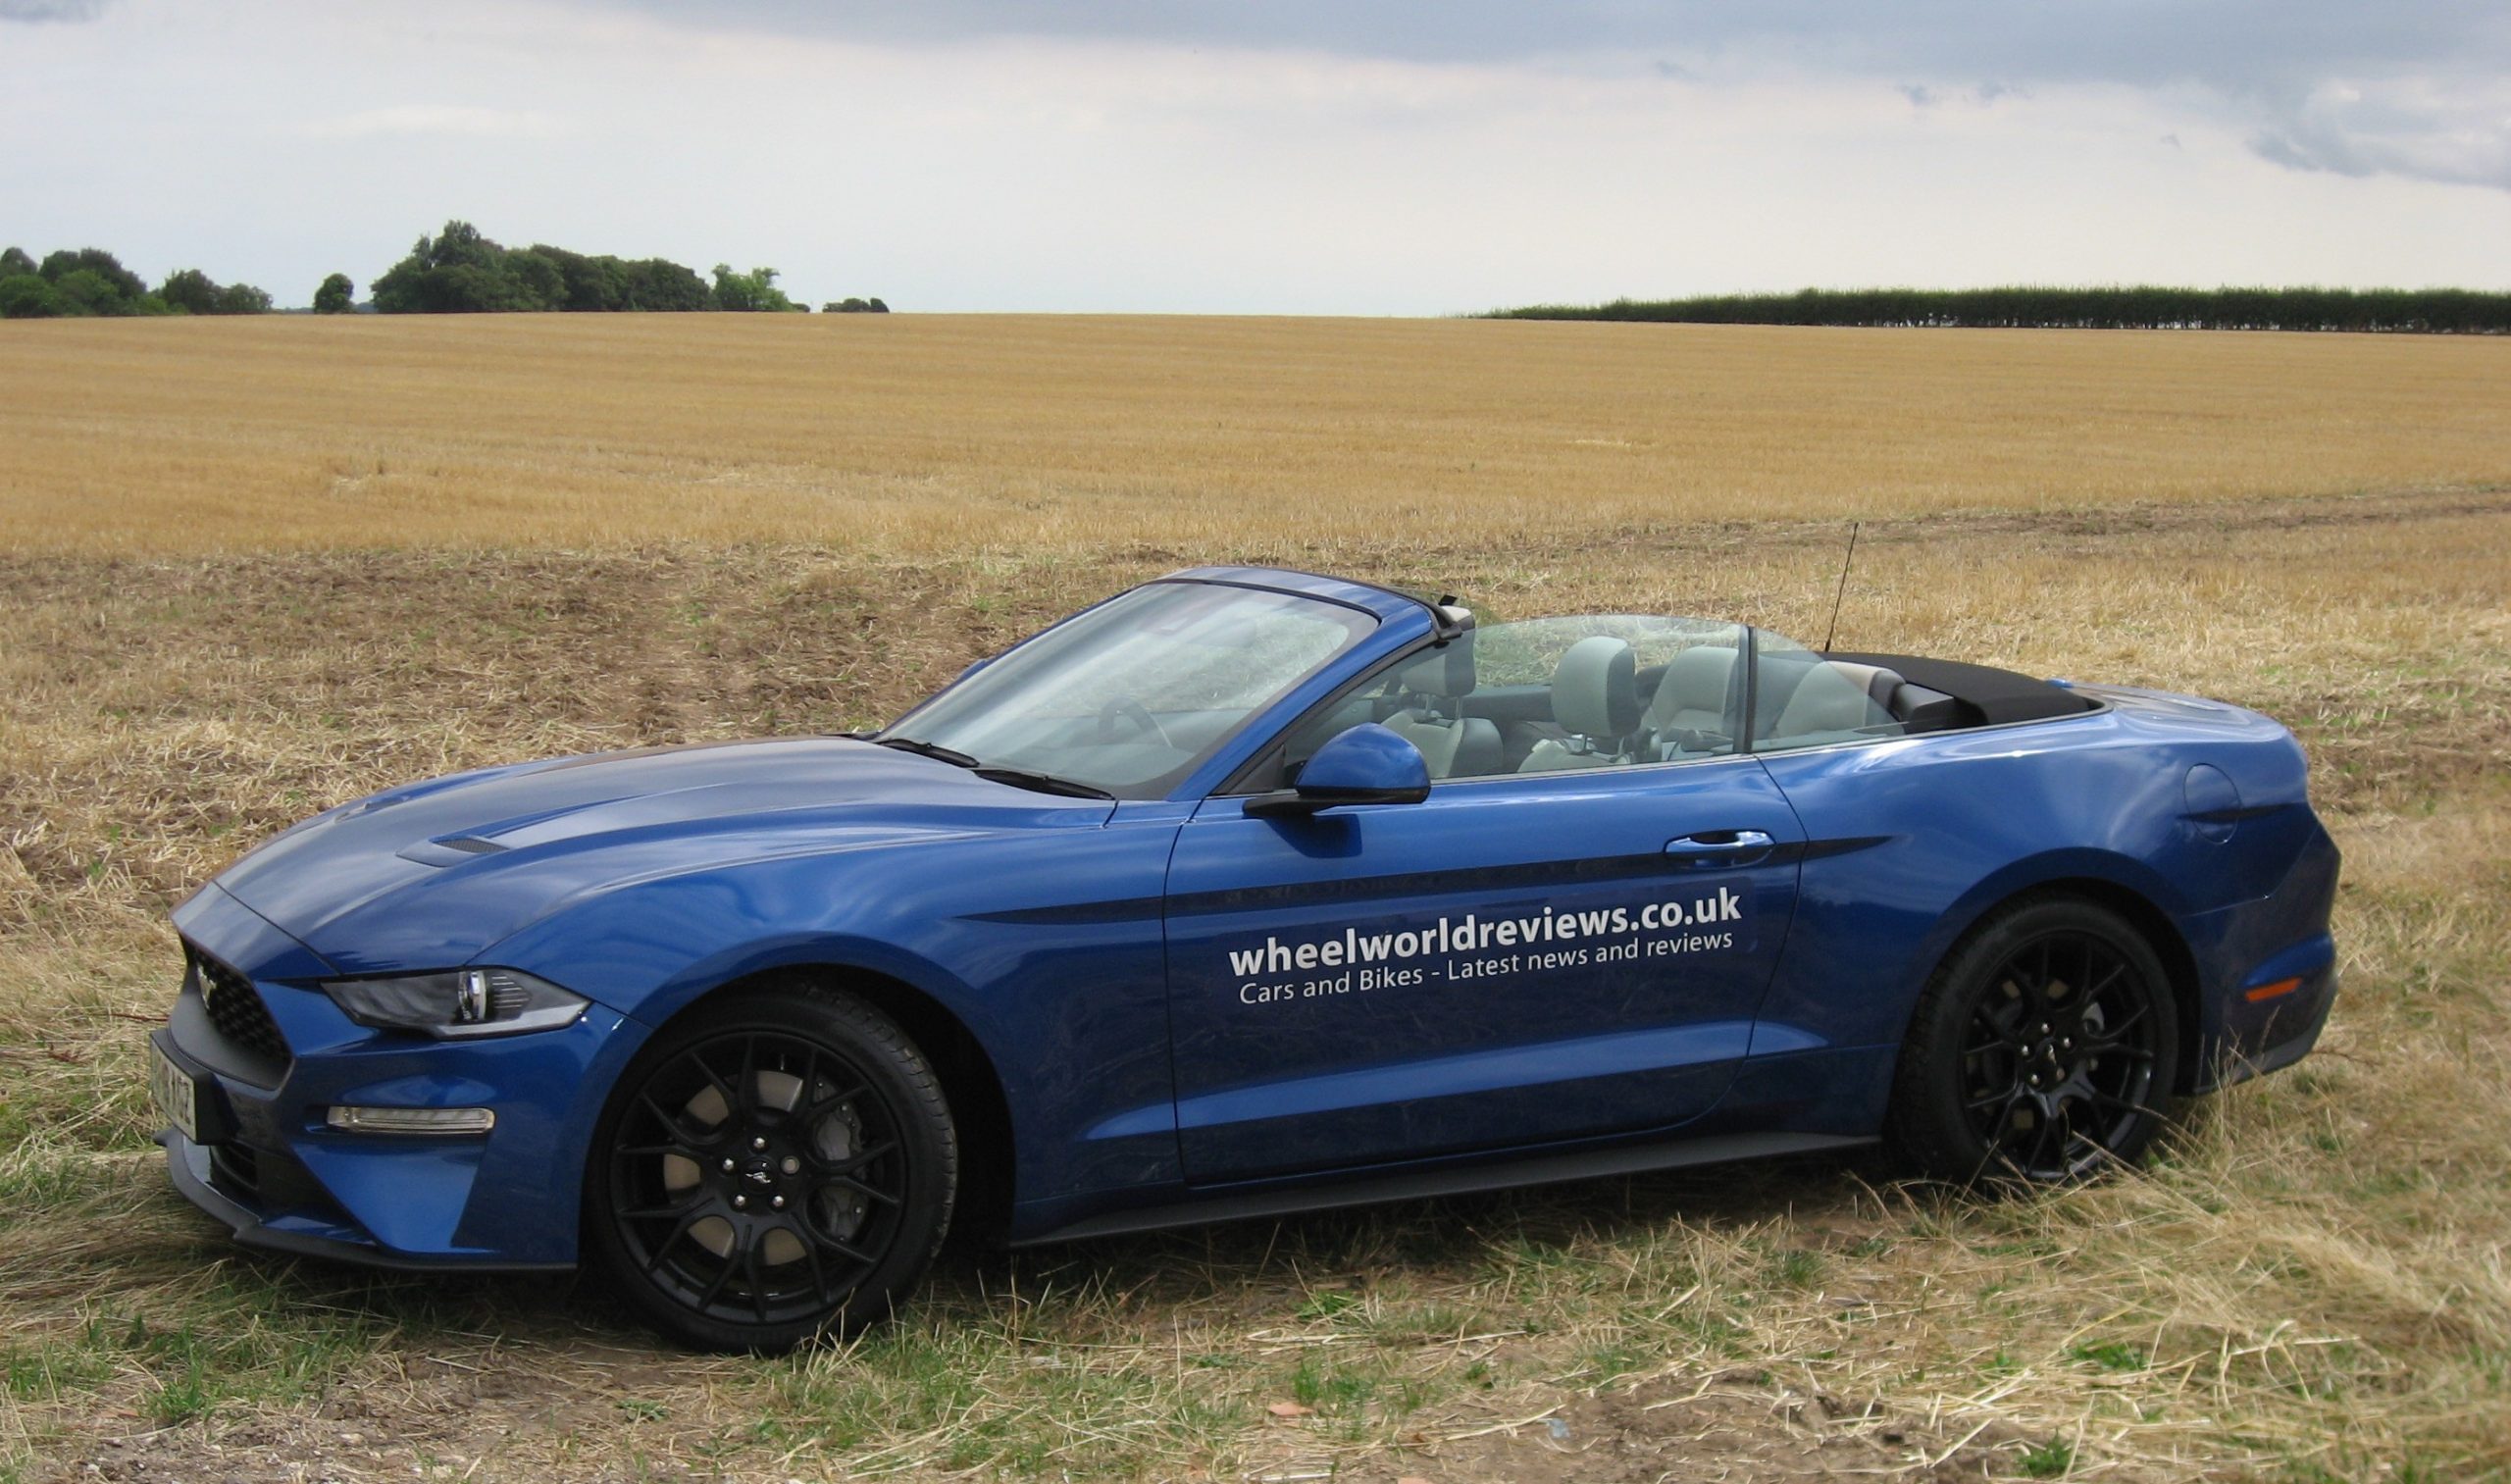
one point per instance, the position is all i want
(1832, 632)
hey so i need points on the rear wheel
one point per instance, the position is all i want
(2043, 1051)
(773, 1166)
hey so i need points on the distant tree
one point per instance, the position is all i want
(124, 283)
(460, 271)
(189, 290)
(461, 244)
(2401, 311)
(28, 296)
(14, 264)
(877, 307)
(540, 277)
(338, 295)
(86, 292)
(754, 291)
(586, 284)
(660, 283)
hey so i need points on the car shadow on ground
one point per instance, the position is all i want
(1435, 1241)
(1223, 1269)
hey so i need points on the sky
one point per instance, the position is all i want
(1299, 157)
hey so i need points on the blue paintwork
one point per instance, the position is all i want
(1270, 1084)
(1366, 759)
(1086, 947)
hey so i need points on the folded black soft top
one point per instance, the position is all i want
(1997, 696)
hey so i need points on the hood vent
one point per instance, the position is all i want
(448, 849)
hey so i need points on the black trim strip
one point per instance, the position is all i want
(1237, 1204)
(1532, 876)
(1125, 910)
(1174, 580)
(1846, 845)
(2235, 816)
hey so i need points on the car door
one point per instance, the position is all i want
(1516, 960)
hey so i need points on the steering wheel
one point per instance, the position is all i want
(1126, 708)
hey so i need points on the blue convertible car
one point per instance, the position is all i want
(1243, 892)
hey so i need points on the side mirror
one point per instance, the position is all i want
(1365, 765)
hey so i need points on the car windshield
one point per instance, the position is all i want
(1134, 693)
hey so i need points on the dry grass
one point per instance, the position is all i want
(941, 434)
(2312, 1283)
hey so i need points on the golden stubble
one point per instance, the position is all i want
(931, 434)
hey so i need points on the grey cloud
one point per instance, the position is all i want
(51, 10)
(2265, 66)
(2358, 132)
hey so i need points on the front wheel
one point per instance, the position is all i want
(770, 1167)
(2043, 1051)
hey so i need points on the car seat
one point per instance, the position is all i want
(1595, 698)
(1433, 690)
(1689, 715)
(1836, 701)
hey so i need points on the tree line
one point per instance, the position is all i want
(2417, 311)
(462, 270)
(89, 281)
(457, 271)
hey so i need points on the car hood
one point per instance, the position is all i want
(427, 875)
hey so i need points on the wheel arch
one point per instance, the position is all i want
(2142, 911)
(971, 1083)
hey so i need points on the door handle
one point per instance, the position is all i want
(1720, 847)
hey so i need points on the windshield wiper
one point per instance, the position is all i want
(1042, 783)
(1018, 778)
(935, 750)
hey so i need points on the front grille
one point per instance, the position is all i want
(235, 1007)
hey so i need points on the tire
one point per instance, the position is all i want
(2042, 1052)
(772, 1167)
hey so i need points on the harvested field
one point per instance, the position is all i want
(200, 641)
(941, 435)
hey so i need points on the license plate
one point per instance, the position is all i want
(176, 1094)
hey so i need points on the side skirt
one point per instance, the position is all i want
(1412, 1184)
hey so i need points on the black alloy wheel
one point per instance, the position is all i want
(2044, 1051)
(776, 1166)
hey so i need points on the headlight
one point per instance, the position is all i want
(459, 1003)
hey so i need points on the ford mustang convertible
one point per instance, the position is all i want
(1240, 893)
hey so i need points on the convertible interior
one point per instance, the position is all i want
(1131, 693)
(1619, 690)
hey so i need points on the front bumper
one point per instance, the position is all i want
(267, 1166)
(197, 1176)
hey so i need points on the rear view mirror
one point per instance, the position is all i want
(1367, 764)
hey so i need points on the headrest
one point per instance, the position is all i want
(1595, 690)
(1447, 671)
(1696, 679)
(1878, 682)
(1837, 696)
